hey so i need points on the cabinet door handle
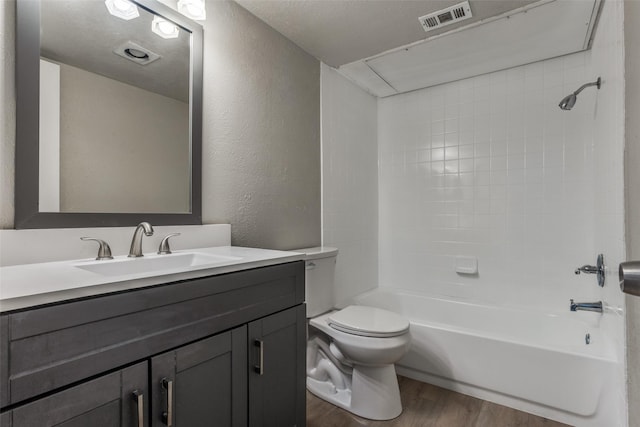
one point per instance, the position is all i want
(138, 397)
(167, 416)
(259, 368)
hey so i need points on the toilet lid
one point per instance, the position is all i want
(368, 322)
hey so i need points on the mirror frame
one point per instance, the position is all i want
(27, 69)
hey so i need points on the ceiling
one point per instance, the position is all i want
(338, 32)
(380, 44)
(84, 34)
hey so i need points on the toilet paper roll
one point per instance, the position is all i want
(629, 275)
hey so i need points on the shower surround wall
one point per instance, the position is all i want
(490, 167)
(350, 183)
(608, 115)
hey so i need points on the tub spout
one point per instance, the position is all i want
(586, 306)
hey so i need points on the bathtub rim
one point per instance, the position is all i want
(605, 350)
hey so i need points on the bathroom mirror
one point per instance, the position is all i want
(109, 114)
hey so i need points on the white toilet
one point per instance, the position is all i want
(351, 352)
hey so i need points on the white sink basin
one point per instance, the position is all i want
(154, 263)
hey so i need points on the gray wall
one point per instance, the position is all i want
(7, 112)
(261, 130)
(632, 178)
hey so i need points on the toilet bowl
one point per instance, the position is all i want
(354, 371)
(351, 352)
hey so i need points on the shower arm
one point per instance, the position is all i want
(586, 85)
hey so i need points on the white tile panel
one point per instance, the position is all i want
(503, 193)
(350, 182)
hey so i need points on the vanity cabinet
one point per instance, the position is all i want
(225, 350)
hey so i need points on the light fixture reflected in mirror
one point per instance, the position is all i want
(193, 9)
(164, 28)
(122, 9)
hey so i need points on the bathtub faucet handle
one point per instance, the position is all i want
(597, 269)
(588, 269)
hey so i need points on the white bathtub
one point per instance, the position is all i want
(533, 361)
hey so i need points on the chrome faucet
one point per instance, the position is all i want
(136, 242)
(586, 306)
(598, 269)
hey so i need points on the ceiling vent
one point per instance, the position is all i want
(452, 14)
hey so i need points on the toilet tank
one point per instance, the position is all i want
(320, 265)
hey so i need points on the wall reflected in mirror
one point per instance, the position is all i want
(114, 111)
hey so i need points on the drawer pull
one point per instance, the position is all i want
(138, 397)
(259, 368)
(167, 416)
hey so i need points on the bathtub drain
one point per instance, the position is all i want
(587, 339)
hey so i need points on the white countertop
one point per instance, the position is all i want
(30, 285)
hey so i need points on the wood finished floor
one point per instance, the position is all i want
(426, 405)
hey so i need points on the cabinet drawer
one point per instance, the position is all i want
(54, 346)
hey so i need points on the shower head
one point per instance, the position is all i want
(569, 101)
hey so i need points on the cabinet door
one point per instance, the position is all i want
(202, 384)
(277, 376)
(117, 399)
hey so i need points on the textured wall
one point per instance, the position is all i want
(350, 183)
(261, 165)
(632, 136)
(7, 111)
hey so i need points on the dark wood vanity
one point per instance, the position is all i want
(223, 350)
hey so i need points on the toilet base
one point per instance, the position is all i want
(373, 392)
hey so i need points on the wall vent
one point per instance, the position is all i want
(456, 13)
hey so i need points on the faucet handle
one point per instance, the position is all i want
(104, 251)
(598, 269)
(164, 248)
(588, 269)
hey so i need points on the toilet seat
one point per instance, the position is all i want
(368, 322)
